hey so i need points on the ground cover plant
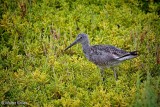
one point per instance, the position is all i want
(35, 71)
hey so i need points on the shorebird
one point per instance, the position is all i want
(104, 56)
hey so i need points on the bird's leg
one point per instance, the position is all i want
(115, 73)
(102, 74)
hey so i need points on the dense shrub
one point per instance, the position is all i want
(36, 70)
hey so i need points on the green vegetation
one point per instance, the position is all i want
(34, 68)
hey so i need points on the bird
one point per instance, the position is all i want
(104, 56)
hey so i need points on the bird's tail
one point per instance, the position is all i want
(130, 55)
(134, 53)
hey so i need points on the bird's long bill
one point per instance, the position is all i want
(75, 42)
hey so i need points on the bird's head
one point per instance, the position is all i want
(81, 38)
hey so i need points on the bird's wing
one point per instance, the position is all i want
(104, 54)
(108, 49)
(108, 55)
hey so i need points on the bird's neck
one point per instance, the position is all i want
(86, 47)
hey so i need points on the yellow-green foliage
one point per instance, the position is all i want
(35, 69)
